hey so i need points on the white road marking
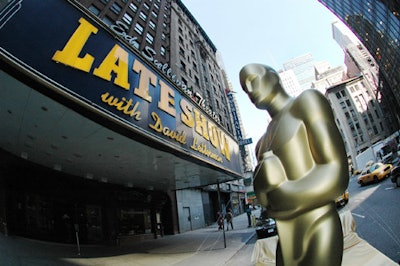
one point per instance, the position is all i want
(358, 215)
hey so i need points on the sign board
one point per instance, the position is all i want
(245, 142)
(61, 44)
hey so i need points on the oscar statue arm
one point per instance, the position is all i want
(328, 177)
(268, 175)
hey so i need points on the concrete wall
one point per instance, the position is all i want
(190, 210)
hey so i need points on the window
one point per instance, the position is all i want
(183, 66)
(149, 38)
(133, 7)
(162, 50)
(146, 6)
(94, 10)
(143, 16)
(139, 29)
(135, 44)
(115, 8)
(127, 18)
(154, 14)
(152, 25)
(107, 20)
(184, 81)
(371, 117)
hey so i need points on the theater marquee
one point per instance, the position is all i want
(58, 42)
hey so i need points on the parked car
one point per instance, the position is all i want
(395, 178)
(265, 226)
(375, 173)
(342, 199)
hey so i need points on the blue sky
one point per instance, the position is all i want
(267, 32)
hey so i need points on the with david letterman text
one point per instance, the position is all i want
(115, 68)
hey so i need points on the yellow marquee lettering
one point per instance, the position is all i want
(167, 102)
(157, 125)
(201, 124)
(146, 77)
(212, 131)
(109, 99)
(202, 148)
(224, 145)
(70, 54)
(174, 135)
(123, 105)
(186, 114)
(116, 61)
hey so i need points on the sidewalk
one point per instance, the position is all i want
(200, 247)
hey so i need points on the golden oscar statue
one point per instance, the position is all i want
(302, 168)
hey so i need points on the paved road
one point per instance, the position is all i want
(201, 247)
(376, 210)
(243, 256)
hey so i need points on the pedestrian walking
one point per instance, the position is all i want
(248, 212)
(220, 221)
(229, 219)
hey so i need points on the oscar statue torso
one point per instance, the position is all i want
(289, 153)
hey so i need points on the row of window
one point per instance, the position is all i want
(137, 14)
(182, 53)
(127, 18)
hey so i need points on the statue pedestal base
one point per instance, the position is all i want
(356, 251)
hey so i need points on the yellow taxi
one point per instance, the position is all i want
(342, 199)
(375, 173)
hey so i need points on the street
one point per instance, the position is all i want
(376, 210)
(243, 256)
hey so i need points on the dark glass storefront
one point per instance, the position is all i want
(47, 204)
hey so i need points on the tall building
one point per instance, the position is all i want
(303, 68)
(377, 25)
(168, 33)
(327, 76)
(290, 82)
(113, 120)
(354, 95)
(358, 115)
(358, 60)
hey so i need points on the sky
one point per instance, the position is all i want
(267, 32)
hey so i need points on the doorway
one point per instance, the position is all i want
(187, 220)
